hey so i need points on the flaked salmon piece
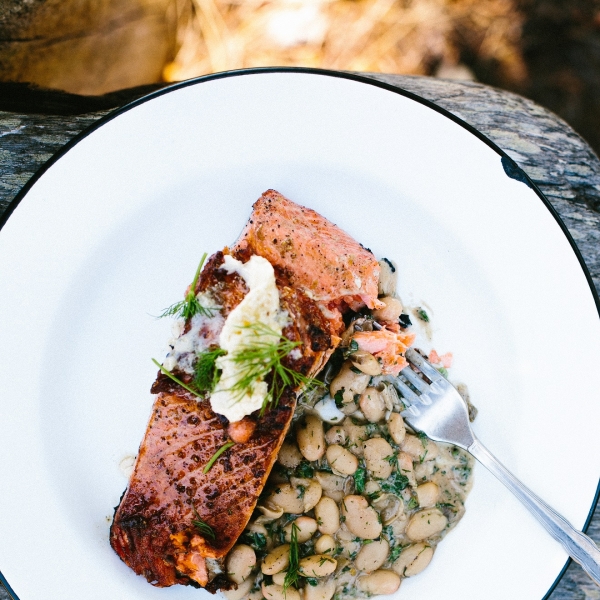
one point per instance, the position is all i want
(322, 259)
(388, 346)
(153, 529)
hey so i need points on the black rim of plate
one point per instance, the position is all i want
(511, 169)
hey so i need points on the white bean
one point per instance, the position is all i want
(289, 455)
(365, 362)
(379, 582)
(275, 592)
(327, 514)
(361, 519)
(277, 560)
(341, 460)
(325, 545)
(242, 590)
(349, 382)
(413, 559)
(333, 485)
(311, 438)
(317, 565)
(240, 562)
(305, 528)
(336, 435)
(376, 450)
(372, 556)
(279, 578)
(287, 498)
(420, 449)
(372, 405)
(425, 523)
(324, 590)
(312, 495)
(428, 494)
(405, 464)
(357, 434)
(388, 273)
(396, 427)
(391, 311)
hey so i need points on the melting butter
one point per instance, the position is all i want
(260, 305)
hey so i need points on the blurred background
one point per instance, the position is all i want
(547, 50)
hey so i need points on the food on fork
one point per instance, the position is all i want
(356, 501)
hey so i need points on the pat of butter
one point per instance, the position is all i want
(260, 305)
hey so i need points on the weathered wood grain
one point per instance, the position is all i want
(545, 147)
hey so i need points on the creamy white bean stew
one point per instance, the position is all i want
(357, 501)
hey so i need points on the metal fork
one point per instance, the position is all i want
(439, 411)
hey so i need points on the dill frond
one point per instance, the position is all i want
(216, 455)
(264, 356)
(291, 576)
(207, 376)
(176, 379)
(190, 305)
(204, 528)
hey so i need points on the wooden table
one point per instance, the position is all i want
(36, 124)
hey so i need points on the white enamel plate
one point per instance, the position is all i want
(111, 233)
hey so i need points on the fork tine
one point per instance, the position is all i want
(406, 392)
(413, 378)
(426, 368)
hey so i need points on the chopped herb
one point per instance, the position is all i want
(216, 455)
(412, 503)
(395, 484)
(175, 379)
(301, 491)
(206, 374)
(356, 370)
(291, 577)
(395, 553)
(422, 315)
(423, 437)
(404, 320)
(257, 540)
(339, 398)
(443, 371)
(190, 306)
(304, 470)
(312, 581)
(360, 476)
(351, 349)
(392, 459)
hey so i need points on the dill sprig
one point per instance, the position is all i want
(176, 379)
(206, 373)
(190, 305)
(291, 577)
(262, 357)
(216, 455)
(204, 528)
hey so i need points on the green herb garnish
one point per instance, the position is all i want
(204, 528)
(351, 349)
(395, 483)
(291, 577)
(216, 455)
(304, 470)
(206, 374)
(339, 398)
(360, 476)
(190, 306)
(257, 540)
(422, 315)
(176, 379)
(412, 503)
(260, 358)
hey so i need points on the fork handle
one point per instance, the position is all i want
(579, 546)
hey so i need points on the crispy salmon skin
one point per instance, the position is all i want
(157, 528)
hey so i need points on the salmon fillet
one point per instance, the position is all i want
(153, 530)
